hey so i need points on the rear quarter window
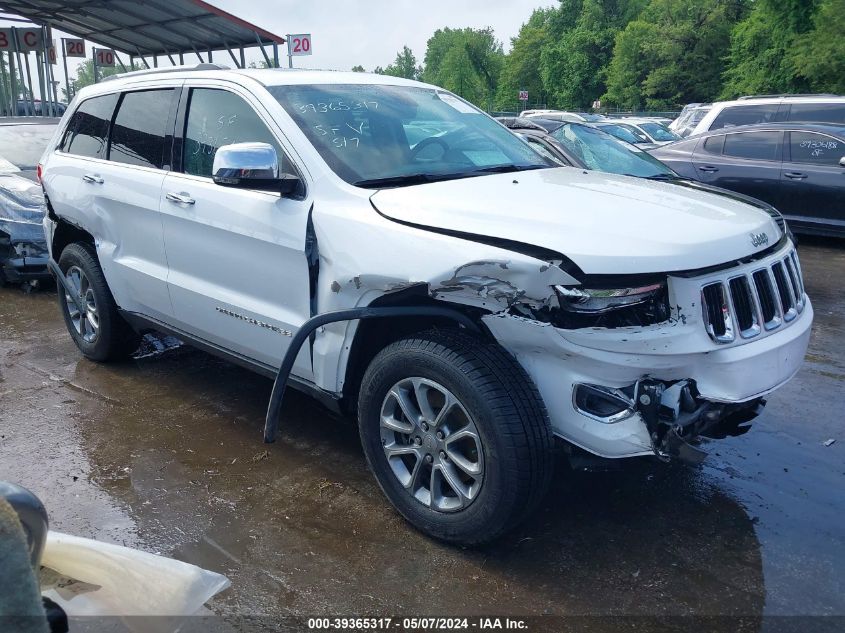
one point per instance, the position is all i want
(817, 112)
(87, 131)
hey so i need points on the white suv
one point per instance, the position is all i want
(382, 244)
(772, 108)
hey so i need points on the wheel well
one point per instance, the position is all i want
(67, 233)
(373, 335)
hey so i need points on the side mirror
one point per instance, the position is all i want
(252, 166)
(842, 162)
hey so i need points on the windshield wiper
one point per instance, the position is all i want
(667, 177)
(503, 169)
(401, 181)
(418, 179)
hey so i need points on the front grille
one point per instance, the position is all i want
(754, 302)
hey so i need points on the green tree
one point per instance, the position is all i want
(521, 66)
(574, 66)
(358, 69)
(405, 65)
(761, 58)
(85, 75)
(672, 54)
(817, 57)
(6, 79)
(465, 61)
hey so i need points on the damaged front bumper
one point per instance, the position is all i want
(655, 388)
(23, 260)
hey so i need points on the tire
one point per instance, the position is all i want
(500, 452)
(111, 338)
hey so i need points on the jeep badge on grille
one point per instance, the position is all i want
(759, 239)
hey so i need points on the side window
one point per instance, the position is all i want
(713, 144)
(87, 131)
(138, 134)
(744, 115)
(815, 149)
(216, 118)
(753, 145)
(818, 112)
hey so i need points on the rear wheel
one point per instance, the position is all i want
(456, 435)
(90, 313)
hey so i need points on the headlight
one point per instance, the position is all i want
(598, 300)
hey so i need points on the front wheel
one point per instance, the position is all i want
(97, 328)
(456, 435)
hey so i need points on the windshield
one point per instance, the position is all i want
(659, 132)
(603, 152)
(625, 132)
(383, 135)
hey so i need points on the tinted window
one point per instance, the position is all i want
(818, 112)
(139, 128)
(744, 115)
(217, 118)
(757, 145)
(818, 149)
(88, 129)
(714, 144)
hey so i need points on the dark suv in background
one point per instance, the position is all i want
(799, 168)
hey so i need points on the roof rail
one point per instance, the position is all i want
(785, 96)
(167, 69)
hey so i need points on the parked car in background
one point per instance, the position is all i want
(686, 122)
(520, 123)
(584, 146)
(560, 115)
(772, 109)
(23, 250)
(656, 132)
(797, 168)
(625, 132)
(682, 115)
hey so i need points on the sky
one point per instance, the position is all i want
(347, 33)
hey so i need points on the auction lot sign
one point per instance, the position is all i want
(28, 40)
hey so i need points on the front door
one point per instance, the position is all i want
(238, 275)
(813, 181)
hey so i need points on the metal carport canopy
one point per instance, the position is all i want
(145, 27)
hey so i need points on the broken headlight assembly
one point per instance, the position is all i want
(610, 305)
(601, 300)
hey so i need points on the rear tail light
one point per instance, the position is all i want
(39, 171)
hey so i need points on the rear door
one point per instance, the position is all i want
(117, 200)
(238, 272)
(747, 162)
(813, 181)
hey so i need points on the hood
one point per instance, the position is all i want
(604, 223)
(22, 208)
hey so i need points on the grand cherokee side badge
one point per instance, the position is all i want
(759, 239)
(252, 321)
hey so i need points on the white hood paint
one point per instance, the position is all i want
(606, 224)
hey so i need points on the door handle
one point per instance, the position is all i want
(94, 178)
(708, 169)
(794, 175)
(180, 198)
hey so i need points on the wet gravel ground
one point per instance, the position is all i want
(164, 453)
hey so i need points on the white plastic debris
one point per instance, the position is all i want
(94, 578)
(829, 442)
